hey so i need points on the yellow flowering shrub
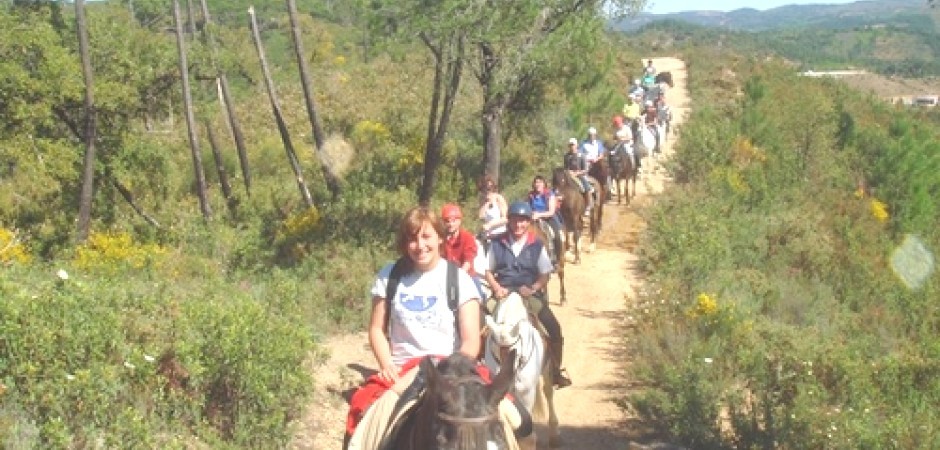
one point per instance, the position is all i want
(744, 153)
(12, 250)
(106, 250)
(367, 134)
(879, 210)
(705, 306)
(293, 234)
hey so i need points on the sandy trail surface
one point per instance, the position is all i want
(600, 290)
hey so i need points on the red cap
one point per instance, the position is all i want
(451, 211)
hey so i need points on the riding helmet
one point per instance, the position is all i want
(520, 208)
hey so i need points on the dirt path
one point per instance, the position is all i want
(598, 291)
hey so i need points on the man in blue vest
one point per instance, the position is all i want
(519, 263)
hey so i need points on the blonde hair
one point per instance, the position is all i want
(411, 224)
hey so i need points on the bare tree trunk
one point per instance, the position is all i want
(129, 198)
(191, 21)
(90, 132)
(190, 119)
(226, 99)
(230, 200)
(494, 104)
(236, 129)
(332, 180)
(278, 116)
(448, 58)
(492, 146)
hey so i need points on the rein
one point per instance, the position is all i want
(482, 420)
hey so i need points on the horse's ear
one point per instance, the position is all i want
(504, 380)
(515, 329)
(430, 372)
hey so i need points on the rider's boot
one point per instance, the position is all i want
(559, 375)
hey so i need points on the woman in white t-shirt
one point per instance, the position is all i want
(420, 322)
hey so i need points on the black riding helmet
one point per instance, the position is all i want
(520, 208)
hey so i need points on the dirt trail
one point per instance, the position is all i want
(598, 291)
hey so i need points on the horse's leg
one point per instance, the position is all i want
(561, 283)
(548, 389)
(577, 238)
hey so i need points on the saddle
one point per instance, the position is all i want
(575, 181)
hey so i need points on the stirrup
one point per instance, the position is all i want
(562, 379)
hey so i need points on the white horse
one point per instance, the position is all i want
(533, 387)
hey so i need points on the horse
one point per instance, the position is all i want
(664, 77)
(542, 231)
(457, 409)
(598, 176)
(573, 205)
(512, 332)
(623, 168)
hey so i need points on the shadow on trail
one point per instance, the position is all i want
(607, 437)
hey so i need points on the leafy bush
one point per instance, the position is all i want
(86, 359)
(787, 310)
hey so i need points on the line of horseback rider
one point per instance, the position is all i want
(423, 305)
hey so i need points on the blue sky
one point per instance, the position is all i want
(671, 6)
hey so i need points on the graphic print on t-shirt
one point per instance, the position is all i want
(417, 303)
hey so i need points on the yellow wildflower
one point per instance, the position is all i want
(705, 305)
(879, 210)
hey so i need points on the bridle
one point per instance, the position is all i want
(461, 421)
(521, 361)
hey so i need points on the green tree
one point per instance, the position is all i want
(509, 44)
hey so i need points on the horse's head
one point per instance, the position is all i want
(465, 408)
(559, 177)
(504, 329)
(664, 77)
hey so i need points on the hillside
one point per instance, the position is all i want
(905, 13)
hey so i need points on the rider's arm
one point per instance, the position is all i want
(552, 200)
(540, 283)
(503, 208)
(378, 340)
(469, 251)
(469, 327)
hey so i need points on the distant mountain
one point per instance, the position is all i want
(861, 13)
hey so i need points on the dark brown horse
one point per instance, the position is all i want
(598, 175)
(622, 168)
(457, 411)
(572, 210)
(664, 77)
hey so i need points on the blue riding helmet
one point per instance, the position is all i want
(520, 208)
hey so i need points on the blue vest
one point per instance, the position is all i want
(512, 271)
(539, 201)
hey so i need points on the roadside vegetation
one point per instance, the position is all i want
(792, 268)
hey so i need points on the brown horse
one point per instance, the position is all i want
(458, 410)
(623, 168)
(541, 230)
(598, 175)
(573, 205)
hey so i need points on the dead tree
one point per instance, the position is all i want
(190, 118)
(278, 116)
(332, 180)
(230, 200)
(226, 100)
